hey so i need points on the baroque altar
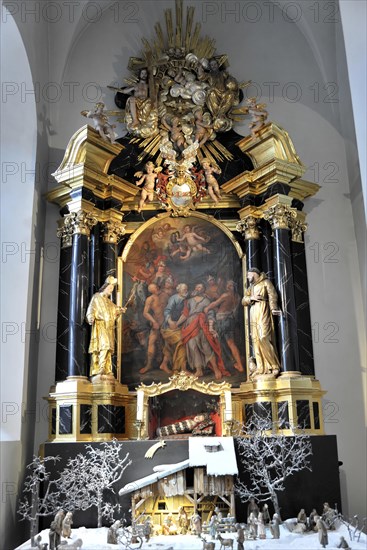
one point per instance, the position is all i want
(176, 215)
(183, 295)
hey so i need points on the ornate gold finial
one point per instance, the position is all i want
(298, 228)
(248, 228)
(280, 216)
(80, 222)
(113, 231)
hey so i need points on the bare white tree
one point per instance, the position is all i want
(87, 478)
(33, 505)
(270, 458)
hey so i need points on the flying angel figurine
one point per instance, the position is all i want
(149, 180)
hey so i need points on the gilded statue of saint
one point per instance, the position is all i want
(102, 314)
(261, 298)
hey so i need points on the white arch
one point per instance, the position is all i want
(18, 162)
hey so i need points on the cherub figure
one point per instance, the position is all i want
(148, 179)
(202, 130)
(213, 186)
(100, 122)
(258, 115)
(193, 240)
(175, 130)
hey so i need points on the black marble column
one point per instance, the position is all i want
(250, 231)
(304, 329)
(267, 250)
(283, 277)
(78, 341)
(63, 307)
(109, 258)
(112, 232)
(95, 253)
(253, 253)
(79, 294)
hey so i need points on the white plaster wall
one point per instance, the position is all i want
(18, 156)
(24, 134)
(354, 17)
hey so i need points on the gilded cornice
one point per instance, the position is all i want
(85, 165)
(275, 161)
(272, 142)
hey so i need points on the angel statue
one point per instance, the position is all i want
(211, 168)
(100, 122)
(149, 180)
(258, 115)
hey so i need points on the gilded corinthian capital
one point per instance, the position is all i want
(65, 232)
(80, 222)
(113, 231)
(280, 216)
(248, 228)
(298, 228)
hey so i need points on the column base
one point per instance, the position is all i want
(97, 410)
(292, 400)
(290, 374)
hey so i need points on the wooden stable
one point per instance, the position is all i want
(199, 484)
(191, 488)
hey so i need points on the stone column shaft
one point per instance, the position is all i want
(250, 231)
(280, 217)
(79, 294)
(63, 303)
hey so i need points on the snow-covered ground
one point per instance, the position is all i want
(95, 539)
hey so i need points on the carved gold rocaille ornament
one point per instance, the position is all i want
(248, 228)
(183, 382)
(113, 231)
(280, 216)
